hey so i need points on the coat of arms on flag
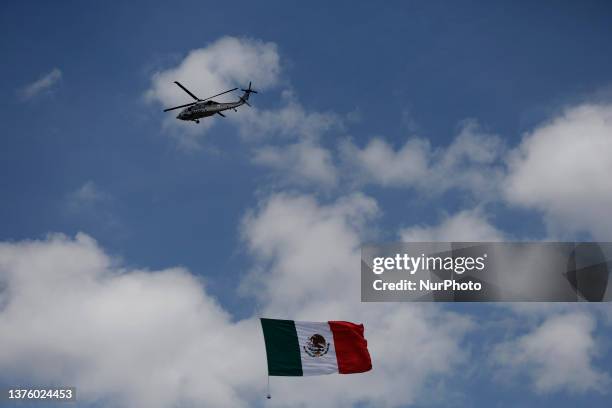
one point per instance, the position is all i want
(297, 348)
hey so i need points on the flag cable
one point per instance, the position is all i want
(258, 314)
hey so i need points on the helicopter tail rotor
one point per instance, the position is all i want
(247, 92)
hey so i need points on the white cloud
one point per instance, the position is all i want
(90, 202)
(470, 162)
(300, 163)
(290, 121)
(560, 168)
(557, 355)
(309, 243)
(308, 257)
(467, 225)
(563, 169)
(47, 81)
(69, 314)
(88, 195)
(378, 162)
(227, 63)
(221, 65)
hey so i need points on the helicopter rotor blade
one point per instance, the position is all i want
(186, 90)
(181, 106)
(210, 97)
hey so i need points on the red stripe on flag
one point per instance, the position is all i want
(351, 347)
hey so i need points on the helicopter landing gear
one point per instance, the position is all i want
(196, 121)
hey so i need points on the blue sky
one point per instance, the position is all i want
(92, 153)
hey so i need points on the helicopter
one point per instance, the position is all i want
(203, 108)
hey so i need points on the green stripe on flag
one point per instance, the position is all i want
(282, 347)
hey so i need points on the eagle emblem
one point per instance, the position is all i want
(316, 346)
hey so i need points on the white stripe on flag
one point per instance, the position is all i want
(312, 365)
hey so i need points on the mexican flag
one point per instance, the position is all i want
(312, 348)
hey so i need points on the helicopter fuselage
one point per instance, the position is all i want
(202, 108)
(205, 109)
